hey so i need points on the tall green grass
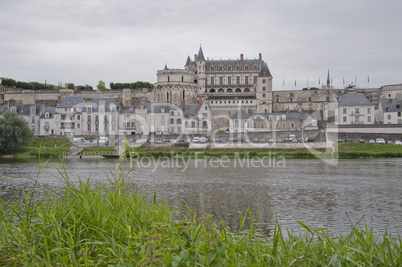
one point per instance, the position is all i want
(113, 224)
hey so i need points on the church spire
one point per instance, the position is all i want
(328, 81)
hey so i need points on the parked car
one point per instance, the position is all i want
(203, 139)
(361, 141)
(195, 139)
(78, 140)
(389, 142)
(255, 140)
(140, 141)
(371, 141)
(270, 140)
(380, 141)
(309, 139)
(247, 140)
(103, 140)
(398, 142)
(262, 140)
(348, 140)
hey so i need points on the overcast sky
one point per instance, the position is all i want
(129, 40)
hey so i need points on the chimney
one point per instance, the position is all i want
(200, 101)
(260, 57)
(241, 58)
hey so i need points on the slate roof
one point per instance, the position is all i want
(23, 109)
(71, 101)
(200, 54)
(106, 101)
(354, 100)
(264, 72)
(240, 115)
(391, 105)
(50, 110)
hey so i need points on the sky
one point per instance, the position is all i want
(85, 41)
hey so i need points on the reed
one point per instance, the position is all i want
(83, 225)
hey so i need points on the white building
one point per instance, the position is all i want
(354, 109)
(389, 111)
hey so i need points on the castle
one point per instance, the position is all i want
(221, 87)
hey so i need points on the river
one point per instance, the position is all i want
(311, 191)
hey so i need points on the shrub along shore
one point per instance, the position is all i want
(114, 224)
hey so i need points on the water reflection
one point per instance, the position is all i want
(310, 191)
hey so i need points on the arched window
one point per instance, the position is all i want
(247, 90)
(229, 90)
(182, 78)
(220, 90)
(212, 90)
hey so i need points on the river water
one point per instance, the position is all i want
(311, 191)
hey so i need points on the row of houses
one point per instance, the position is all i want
(358, 109)
(104, 117)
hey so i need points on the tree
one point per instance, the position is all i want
(101, 85)
(70, 86)
(14, 133)
(8, 82)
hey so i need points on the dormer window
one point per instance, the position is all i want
(33, 110)
(46, 115)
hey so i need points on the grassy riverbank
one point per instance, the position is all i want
(55, 147)
(113, 224)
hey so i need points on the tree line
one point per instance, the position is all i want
(136, 85)
(43, 86)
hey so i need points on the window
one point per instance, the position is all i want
(238, 79)
(193, 124)
(132, 125)
(78, 126)
(221, 80)
(283, 125)
(263, 80)
(344, 110)
(368, 118)
(212, 80)
(369, 110)
(292, 125)
(263, 95)
(172, 130)
(229, 80)
(172, 113)
(255, 79)
(236, 123)
(89, 118)
(124, 125)
(105, 128)
(246, 79)
(204, 124)
(46, 115)
(113, 118)
(356, 119)
(33, 120)
(399, 114)
(162, 118)
(171, 121)
(89, 127)
(389, 116)
(178, 121)
(344, 119)
(264, 89)
(356, 110)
